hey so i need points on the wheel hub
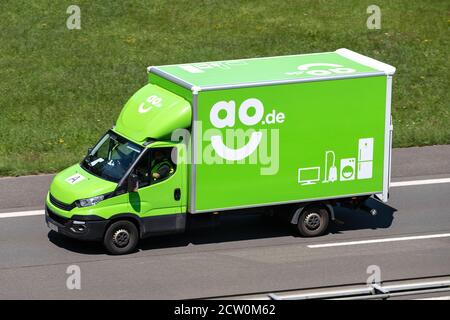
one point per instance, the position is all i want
(312, 221)
(121, 238)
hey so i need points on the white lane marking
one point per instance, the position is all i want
(351, 243)
(22, 214)
(436, 298)
(393, 184)
(419, 182)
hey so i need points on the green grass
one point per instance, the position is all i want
(61, 89)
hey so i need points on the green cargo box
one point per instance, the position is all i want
(284, 129)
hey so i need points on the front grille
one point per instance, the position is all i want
(57, 218)
(61, 205)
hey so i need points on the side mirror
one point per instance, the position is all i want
(132, 183)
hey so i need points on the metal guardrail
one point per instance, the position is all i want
(372, 291)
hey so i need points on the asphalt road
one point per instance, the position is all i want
(232, 255)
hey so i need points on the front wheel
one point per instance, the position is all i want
(313, 221)
(121, 237)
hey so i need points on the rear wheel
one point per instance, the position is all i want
(121, 237)
(313, 221)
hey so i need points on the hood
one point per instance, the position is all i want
(153, 112)
(75, 183)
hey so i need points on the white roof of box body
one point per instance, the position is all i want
(342, 63)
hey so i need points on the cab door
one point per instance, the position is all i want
(160, 202)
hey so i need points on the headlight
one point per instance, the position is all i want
(90, 201)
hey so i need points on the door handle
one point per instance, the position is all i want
(177, 194)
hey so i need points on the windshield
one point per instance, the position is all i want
(111, 157)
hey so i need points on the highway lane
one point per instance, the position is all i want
(229, 255)
(235, 255)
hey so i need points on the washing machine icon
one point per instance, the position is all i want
(347, 169)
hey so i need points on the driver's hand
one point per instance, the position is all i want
(156, 175)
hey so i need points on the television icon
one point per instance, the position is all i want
(308, 176)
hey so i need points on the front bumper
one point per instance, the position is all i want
(93, 228)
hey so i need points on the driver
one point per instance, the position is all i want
(161, 167)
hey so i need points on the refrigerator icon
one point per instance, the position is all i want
(365, 158)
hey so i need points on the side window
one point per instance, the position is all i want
(162, 164)
(142, 170)
(155, 166)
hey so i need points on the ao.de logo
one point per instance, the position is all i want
(250, 113)
(149, 103)
(321, 69)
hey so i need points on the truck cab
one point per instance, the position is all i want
(132, 182)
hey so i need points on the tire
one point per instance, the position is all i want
(313, 221)
(121, 237)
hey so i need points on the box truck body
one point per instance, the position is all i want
(317, 111)
(262, 132)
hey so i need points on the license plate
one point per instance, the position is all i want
(52, 226)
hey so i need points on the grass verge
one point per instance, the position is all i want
(61, 89)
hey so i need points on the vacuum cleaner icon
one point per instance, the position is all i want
(330, 171)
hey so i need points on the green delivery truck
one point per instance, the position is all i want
(295, 135)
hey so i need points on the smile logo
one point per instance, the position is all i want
(229, 107)
(321, 69)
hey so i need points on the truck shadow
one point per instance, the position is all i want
(213, 229)
(232, 227)
(84, 247)
(361, 220)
